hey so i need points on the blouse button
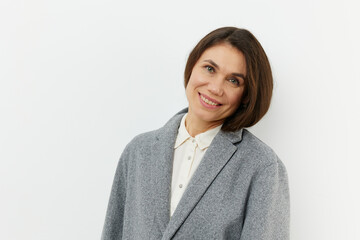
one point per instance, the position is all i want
(189, 157)
(180, 186)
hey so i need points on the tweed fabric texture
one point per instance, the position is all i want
(239, 191)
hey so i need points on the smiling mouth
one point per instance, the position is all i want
(208, 101)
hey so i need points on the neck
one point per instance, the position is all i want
(195, 126)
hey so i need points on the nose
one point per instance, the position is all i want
(215, 86)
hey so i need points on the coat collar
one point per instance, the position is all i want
(203, 140)
(216, 157)
(169, 130)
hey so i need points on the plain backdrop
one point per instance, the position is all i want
(80, 78)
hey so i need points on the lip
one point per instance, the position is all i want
(208, 105)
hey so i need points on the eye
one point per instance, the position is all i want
(234, 81)
(209, 68)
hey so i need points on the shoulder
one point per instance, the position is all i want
(144, 138)
(257, 153)
(255, 145)
(168, 132)
(142, 141)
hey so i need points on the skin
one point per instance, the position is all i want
(218, 75)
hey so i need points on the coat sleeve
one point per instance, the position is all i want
(113, 226)
(268, 209)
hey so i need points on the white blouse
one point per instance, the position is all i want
(187, 156)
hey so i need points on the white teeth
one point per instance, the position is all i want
(208, 101)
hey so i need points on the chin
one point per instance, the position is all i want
(206, 116)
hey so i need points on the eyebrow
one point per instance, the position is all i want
(217, 66)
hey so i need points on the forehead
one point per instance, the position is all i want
(227, 57)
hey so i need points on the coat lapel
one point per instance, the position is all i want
(162, 154)
(216, 157)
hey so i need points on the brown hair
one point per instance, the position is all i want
(258, 82)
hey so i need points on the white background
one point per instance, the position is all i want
(80, 78)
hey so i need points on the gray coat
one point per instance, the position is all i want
(239, 191)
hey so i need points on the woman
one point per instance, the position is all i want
(202, 175)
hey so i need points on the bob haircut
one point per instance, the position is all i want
(258, 81)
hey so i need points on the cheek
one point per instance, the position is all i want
(191, 86)
(189, 90)
(197, 79)
(235, 98)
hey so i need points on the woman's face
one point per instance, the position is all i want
(216, 84)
